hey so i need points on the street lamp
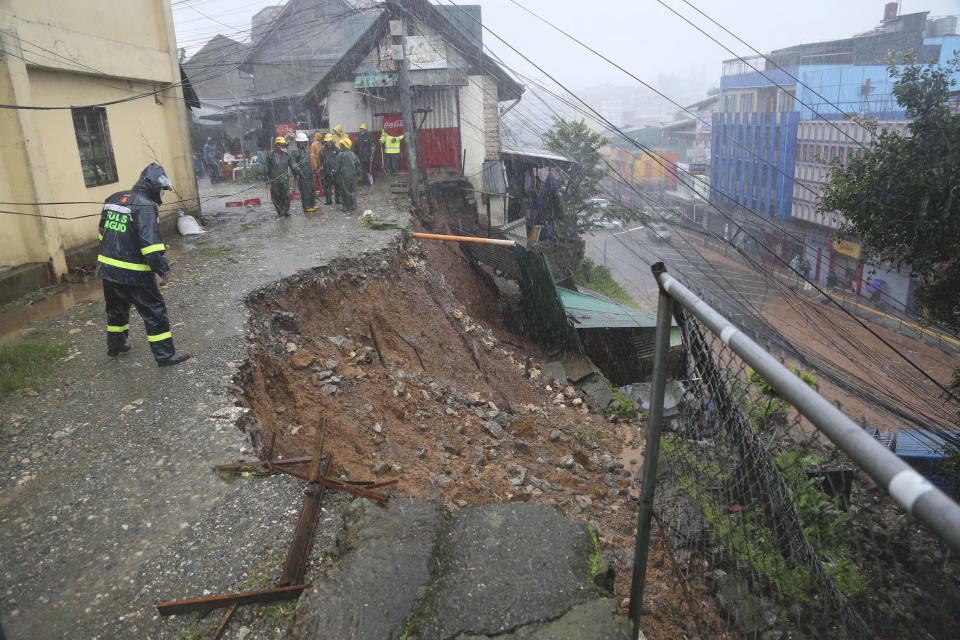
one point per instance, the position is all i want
(619, 233)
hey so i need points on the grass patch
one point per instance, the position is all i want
(215, 252)
(602, 282)
(281, 613)
(589, 438)
(26, 363)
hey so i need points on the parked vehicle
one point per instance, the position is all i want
(602, 203)
(658, 232)
(602, 221)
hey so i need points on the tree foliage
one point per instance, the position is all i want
(575, 140)
(901, 197)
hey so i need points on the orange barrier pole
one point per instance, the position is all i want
(437, 236)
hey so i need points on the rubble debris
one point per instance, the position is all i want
(285, 321)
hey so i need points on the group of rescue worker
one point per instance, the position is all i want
(131, 259)
(330, 165)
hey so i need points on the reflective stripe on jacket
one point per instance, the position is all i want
(391, 144)
(131, 249)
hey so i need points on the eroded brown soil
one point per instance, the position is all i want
(477, 422)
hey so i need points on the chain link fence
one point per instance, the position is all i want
(753, 501)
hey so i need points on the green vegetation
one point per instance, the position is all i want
(767, 406)
(589, 438)
(744, 533)
(601, 281)
(28, 362)
(281, 613)
(581, 182)
(627, 410)
(900, 196)
(246, 226)
(744, 530)
(596, 558)
(250, 175)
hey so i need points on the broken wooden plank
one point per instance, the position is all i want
(176, 607)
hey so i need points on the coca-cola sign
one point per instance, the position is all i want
(392, 126)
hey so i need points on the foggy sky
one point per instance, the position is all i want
(640, 35)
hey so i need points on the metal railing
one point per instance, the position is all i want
(753, 486)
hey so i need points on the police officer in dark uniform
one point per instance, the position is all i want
(130, 263)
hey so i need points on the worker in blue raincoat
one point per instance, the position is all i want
(211, 157)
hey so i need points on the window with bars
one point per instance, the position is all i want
(96, 150)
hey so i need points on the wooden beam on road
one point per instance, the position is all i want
(222, 602)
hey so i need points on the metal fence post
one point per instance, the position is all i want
(652, 450)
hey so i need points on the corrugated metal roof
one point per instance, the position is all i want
(538, 154)
(465, 18)
(920, 443)
(592, 312)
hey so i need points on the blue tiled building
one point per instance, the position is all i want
(774, 137)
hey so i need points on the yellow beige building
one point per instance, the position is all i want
(106, 87)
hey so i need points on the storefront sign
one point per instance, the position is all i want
(845, 247)
(426, 52)
(392, 125)
(286, 130)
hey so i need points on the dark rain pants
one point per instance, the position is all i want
(393, 163)
(307, 196)
(329, 187)
(149, 304)
(280, 195)
(347, 189)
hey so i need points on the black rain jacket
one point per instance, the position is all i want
(131, 249)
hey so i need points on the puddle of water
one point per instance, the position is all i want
(20, 316)
(15, 319)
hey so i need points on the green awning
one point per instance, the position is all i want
(592, 312)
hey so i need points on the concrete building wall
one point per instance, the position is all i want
(471, 130)
(105, 51)
(491, 119)
(350, 108)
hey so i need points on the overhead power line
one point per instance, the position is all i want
(759, 242)
(771, 61)
(768, 78)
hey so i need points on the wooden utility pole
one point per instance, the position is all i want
(406, 105)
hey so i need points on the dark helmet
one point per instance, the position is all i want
(153, 181)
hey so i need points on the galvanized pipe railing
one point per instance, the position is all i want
(905, 485)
